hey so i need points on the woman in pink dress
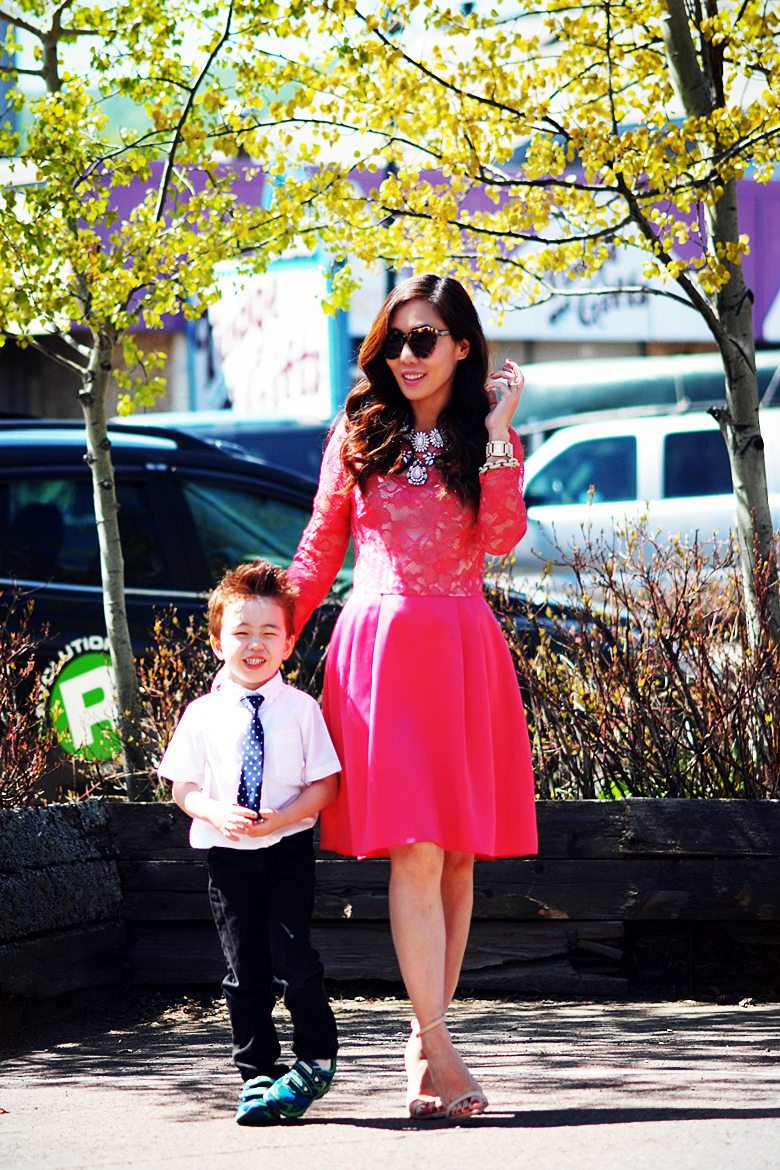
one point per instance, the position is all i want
(420, 694)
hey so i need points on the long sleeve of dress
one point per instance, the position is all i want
(325, 539)
(502, 520)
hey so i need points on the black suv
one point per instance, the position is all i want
(297, 444)
(188, 509)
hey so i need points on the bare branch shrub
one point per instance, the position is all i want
(25, 737)
(644, 682)
(178, 668)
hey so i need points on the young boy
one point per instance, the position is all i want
(252, 763)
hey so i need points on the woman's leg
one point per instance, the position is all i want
(457, 890)
(457, 893)
(430, 910)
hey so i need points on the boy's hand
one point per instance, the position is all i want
(232, 820)
(270, 820)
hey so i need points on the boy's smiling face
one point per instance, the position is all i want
(253, 641)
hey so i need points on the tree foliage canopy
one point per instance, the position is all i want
(512, 146)
(120, 199)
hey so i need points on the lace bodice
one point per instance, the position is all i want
(408, 539)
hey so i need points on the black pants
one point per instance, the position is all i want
(262, 901)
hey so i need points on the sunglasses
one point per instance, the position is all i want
(421, 341)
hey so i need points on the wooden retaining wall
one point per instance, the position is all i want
(640, 896)
(634, 895)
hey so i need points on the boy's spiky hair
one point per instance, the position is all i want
(253, 579)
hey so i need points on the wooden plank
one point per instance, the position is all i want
(647, 827)
(733, 888)
(340, 876)
(493, 944)
(193, 906)
(38, 900)
(184, 954)
(64, 961)
(357, 947)
(192, 955)
(149, 830)
(524, 890)
(702, 828)
(567, 829)
(172, 890)
(174, 876)
(545, 981)
(580, 828)
(365, 954)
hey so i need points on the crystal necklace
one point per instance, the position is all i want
(422, 451)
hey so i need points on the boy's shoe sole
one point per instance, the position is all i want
(291, 1095)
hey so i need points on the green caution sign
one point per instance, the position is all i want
(81, 701)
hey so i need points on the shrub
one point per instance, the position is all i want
(25, 738)
(179, 667)
(654, 689)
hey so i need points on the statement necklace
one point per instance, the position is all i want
(422, 450)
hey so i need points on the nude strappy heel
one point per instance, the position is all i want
(424, 1106)
(469, 1104)
(430, 1026)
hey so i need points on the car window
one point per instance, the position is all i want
(239, 524)
(696, 463)
(48, 532)
(608, 465)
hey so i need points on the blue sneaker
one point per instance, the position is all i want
(291, 1095)
(252, 1109)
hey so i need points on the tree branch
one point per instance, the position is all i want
(7, 71)
(507, 233)
(171, 159)
(59, 358)
(437, 80)
(698, 301)
(553, 292)
(18, 22)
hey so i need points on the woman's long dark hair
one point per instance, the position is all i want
(378, 414)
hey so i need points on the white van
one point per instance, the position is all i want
(595, 476)
(562, 393)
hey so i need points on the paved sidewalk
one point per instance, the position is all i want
(589, 1086)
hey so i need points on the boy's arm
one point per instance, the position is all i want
(313, 798)
(231, 820)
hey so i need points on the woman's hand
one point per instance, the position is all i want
(504, 388)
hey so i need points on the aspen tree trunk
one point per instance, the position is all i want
(697, 82)
(92, 397)
(740, 424)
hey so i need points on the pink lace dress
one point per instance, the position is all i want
(420, 695)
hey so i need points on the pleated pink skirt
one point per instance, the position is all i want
(422, 702)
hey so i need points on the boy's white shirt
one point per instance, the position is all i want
(207, 745)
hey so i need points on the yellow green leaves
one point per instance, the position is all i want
(514, 148)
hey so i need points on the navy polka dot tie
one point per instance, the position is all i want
(251, 783)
